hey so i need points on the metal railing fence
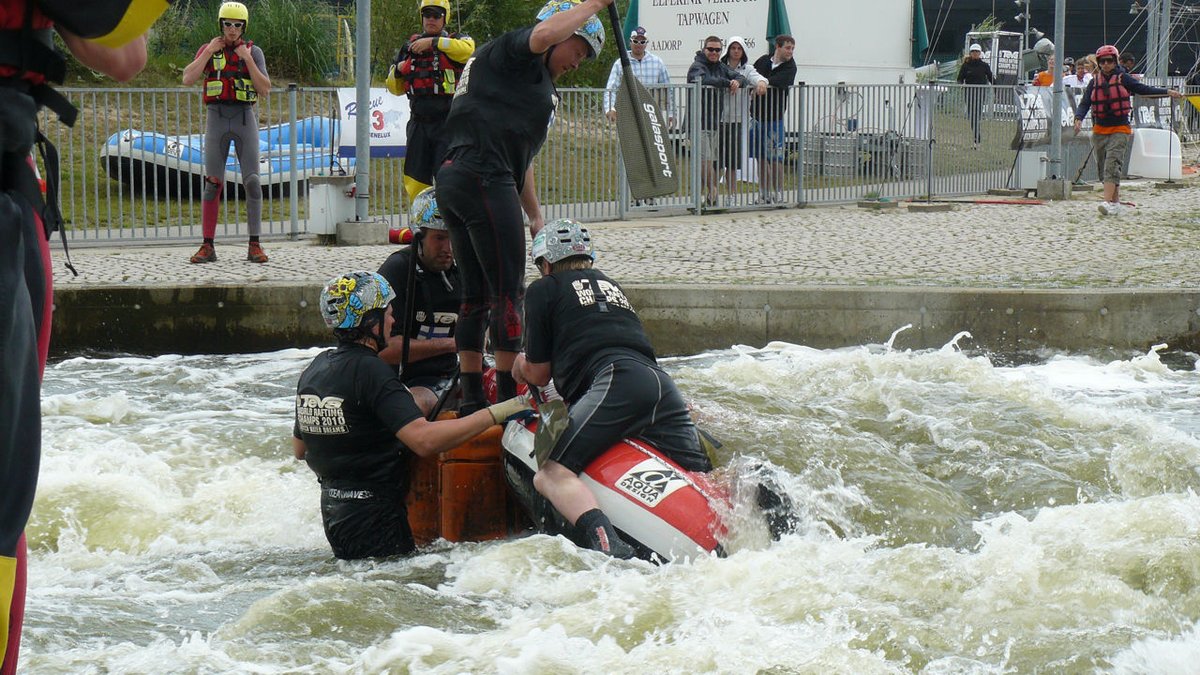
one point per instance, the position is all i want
(839, 143)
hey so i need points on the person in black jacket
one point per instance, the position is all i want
(428, 325)
(714, 76)
(975, 70)
(766, 131)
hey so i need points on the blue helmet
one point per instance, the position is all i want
(592, 31)
(424, 211)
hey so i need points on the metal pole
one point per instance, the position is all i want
(1025, 41)
(1056, 95)
(1152, 37)
(362, 110)
(929, 106)
(294, 178)
(1164, 40)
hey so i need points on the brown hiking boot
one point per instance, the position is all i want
(206, 254)
(255, 253)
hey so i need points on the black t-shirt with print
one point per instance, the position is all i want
(579, 321)
(436, 303)
(502, 108)
(349, 406)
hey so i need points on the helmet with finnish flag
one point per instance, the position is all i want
(443, 5)
(346, 298)
(592, 31)
(561, 239)
(1107, 50)
(235, 11)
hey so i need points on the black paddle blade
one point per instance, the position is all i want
(645, 146)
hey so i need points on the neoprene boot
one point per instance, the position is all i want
(597, 532)
(473, 398)
(506, 386)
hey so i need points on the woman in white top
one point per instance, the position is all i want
(735, 113)
(1080, 78)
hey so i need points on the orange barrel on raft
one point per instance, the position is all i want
(461, 495)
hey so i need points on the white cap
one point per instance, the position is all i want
(975, 48)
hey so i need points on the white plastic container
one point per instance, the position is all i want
(1156, 153)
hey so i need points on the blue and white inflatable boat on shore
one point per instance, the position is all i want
(157, 165)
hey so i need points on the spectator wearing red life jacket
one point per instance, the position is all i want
(235, 75)
(427, 68)
(106, 36)
(1108, 97)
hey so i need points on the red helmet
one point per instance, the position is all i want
(1107, 50)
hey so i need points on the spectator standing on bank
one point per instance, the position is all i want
(427, 68)
(428, 325)
(105, 37)
(1081, 75)
(736, 112)
(1046, 77)
(1109, 98)
(766, 127)
(235, 75)
(1128, 62)
(715, 79)
(648, 68)
(485, 187)
(975, 71)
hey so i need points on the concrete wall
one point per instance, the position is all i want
(680, 319)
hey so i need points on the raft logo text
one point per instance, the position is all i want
(650, 482)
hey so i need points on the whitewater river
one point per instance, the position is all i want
(960, 515)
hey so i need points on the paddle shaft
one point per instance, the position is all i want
(622, 51)
(641, 130)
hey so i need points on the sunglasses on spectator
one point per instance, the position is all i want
(431, 13)
(1106, 60)
(233, 24)
(712, 49)
(640, 41)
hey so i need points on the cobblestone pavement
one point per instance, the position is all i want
(1054, 245)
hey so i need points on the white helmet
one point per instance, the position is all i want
(561, 239)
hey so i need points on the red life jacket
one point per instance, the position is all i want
(1111, 103)
(28, 59)
(227, 78)
(32, 57)
(432, 73)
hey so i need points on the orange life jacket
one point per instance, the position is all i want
(227, 78)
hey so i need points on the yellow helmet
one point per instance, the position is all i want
(233, 10)
(444, 5)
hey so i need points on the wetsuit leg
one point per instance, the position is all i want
(216, 149)
(423, 154)
(25, 298)
(244, 130)
(487, 230)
